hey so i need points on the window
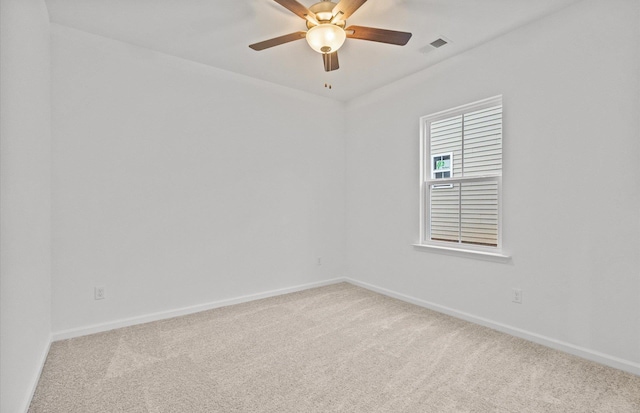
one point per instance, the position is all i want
(441, 166)
(461, 177)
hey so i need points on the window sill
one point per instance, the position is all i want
(470, 253)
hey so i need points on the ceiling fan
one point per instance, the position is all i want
(326, 32)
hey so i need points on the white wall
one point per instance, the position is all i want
(177, 184)
(25, 223)
(570, 84)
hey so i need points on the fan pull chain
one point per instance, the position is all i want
(328, 85)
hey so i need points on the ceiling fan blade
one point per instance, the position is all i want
(330, 61)
(278, 41)
(297, 9)
(378, 35)
(347, 7)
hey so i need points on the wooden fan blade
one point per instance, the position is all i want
(347, 7)
(378, 35)
(297, 9)
(278, 40)
(330, 61)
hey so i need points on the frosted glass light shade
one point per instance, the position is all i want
(326, 38)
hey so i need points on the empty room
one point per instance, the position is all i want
(335, 206)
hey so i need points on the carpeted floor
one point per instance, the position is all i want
(339, 348)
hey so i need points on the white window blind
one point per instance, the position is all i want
(463, 208)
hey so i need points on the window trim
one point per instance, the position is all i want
(426, 179)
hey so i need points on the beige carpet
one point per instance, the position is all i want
(331, 349)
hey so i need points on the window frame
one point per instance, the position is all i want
(427, 180)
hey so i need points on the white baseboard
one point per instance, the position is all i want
(585, 353)
(598, 357)
(126, 322)
(36, 378)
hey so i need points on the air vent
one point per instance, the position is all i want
(438, 43)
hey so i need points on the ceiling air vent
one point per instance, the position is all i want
(438, 43)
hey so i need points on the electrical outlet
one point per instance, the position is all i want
(319, 261)
(517, 296)
(98, 293)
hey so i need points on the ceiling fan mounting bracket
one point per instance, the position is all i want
(324, 14)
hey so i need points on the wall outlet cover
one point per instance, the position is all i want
(98, 293)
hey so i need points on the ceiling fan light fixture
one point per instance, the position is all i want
(326, 37)
(326, 22)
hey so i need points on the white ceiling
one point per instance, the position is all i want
(218, 32)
